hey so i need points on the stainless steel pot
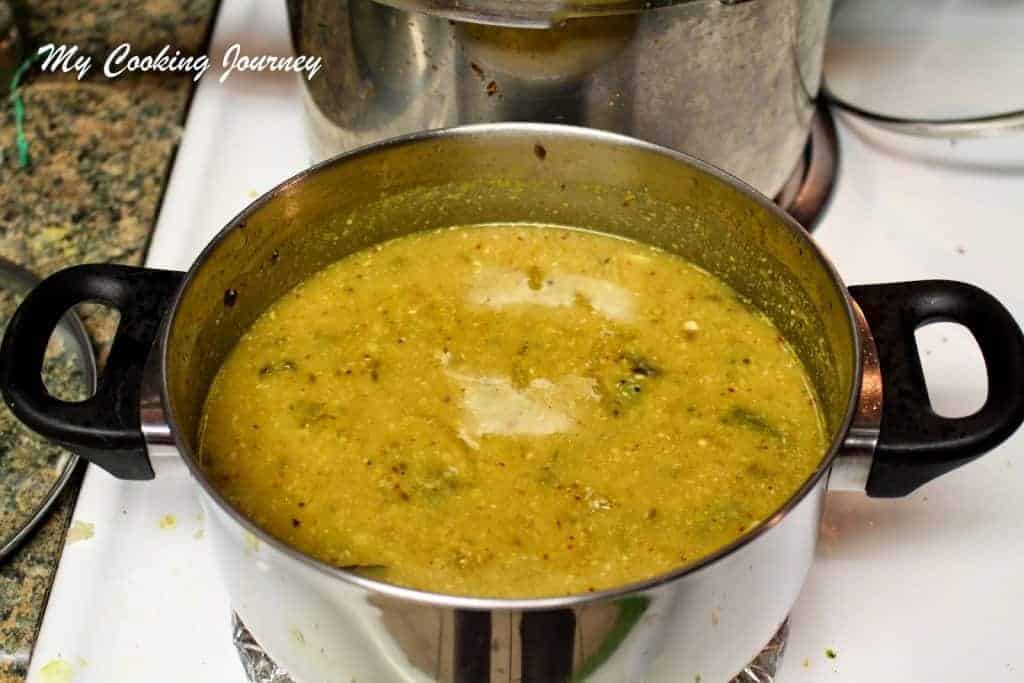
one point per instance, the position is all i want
(732, 82)
(706, 619)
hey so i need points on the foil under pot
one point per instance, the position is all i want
(260, 668)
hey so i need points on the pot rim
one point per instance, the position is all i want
(528, 14)
(531, 132)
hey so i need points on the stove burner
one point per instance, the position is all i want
(260, 668)
(806, 194)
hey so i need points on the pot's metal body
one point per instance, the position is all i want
(706, 620)
(704, 626)
(732, 83)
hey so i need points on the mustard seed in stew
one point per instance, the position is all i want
(510, 411)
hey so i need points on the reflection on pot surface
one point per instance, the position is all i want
(731, 83)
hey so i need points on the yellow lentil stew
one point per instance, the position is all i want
(510, 411)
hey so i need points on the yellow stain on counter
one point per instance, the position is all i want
(80, 531)
(252, 544)
(56, 671)
(168, 521)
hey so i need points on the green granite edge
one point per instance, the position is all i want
(101, 153)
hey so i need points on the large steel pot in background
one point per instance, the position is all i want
(731, 82)
(702, 621)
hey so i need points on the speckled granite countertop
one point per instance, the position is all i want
(101, 151)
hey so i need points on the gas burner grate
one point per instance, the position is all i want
(806, 194)
(260, 668)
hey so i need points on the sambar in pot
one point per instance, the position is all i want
(878, 431)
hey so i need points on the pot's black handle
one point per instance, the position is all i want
(104, 428)
(916, 445)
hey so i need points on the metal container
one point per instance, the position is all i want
(732, 82)
(704, 620)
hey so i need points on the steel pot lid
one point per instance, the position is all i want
(950, 70)
(33, 470)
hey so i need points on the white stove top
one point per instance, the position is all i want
(926, 588)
